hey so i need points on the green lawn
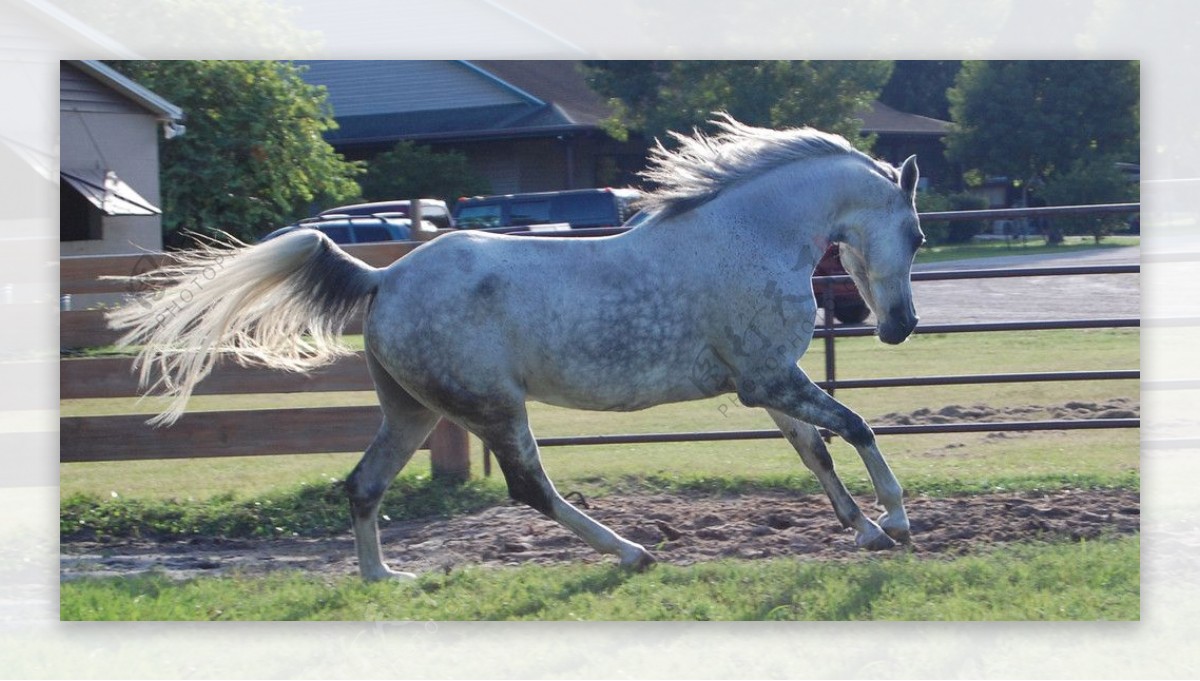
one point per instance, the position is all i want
(1095, 580)
(1034, 245)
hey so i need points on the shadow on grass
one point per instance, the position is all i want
(311, 509)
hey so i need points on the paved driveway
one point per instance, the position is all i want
(1031, 298)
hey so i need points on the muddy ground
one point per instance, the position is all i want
(680, 529)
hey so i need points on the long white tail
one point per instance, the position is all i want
(282, 303)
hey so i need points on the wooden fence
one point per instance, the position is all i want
(226, 432)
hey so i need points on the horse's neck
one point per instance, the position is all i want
(791, 211)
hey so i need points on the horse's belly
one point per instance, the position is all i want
(624, 386)
(627, 398)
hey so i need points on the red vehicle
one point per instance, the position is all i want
(848, 305)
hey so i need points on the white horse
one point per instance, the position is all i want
(711, 296)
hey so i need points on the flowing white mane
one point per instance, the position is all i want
(704, 165)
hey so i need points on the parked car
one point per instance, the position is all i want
(433, 210)
(848, 304)
(579, 208)
(359, 229)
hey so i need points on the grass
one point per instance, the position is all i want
(1034, 245)
(1094, 580)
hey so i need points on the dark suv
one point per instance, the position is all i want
(579, 208)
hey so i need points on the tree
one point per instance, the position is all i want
(1090, 181)
(409, 171)
(919, 87)
(1028, 120)
(253, 158)
(938, 232)
(653, 97)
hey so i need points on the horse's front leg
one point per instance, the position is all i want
(808, 443)
(793, 394)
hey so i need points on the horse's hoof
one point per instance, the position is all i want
(874, 541)
(898, 531)
(388, 575)
(640, 563)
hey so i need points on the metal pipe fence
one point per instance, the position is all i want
(829, 333)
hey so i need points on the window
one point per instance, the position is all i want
(369, 233)
(529, 212)
(477, 217)
(340, 235)
(78, 219)
(593, 209)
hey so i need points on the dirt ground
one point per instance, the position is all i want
(679, 529)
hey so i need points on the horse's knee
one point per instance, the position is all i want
(363, 492)
(527, 486)
(856, 431)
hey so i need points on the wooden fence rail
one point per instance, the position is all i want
(218, 433)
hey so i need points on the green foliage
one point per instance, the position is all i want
(653, 97)
(409, 171)
(253, 158)
(1028, 120)
(919, 87)
(938, 232)
(1090, 181)
(1092, 580)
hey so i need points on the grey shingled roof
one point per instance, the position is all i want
(881, 118)
(441, 100)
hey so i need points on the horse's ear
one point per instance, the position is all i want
(909, 174)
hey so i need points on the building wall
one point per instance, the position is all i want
(531, 164)
(99, 129)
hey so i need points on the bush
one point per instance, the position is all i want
(938, 232)
(409, 171)
(1086, 182)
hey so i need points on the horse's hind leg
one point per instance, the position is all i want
(517, 453)
(815, 455)
(406, 424)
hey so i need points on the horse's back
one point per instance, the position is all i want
(587, 323)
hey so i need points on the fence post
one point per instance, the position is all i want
(416, 213)
(830, 357)
(450, 452)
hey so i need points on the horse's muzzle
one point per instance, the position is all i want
(897, 327)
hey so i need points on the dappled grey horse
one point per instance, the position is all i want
(712, 295)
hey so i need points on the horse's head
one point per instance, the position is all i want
(879, 239)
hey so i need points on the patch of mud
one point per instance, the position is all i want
(1117, 408)
(680, 529)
